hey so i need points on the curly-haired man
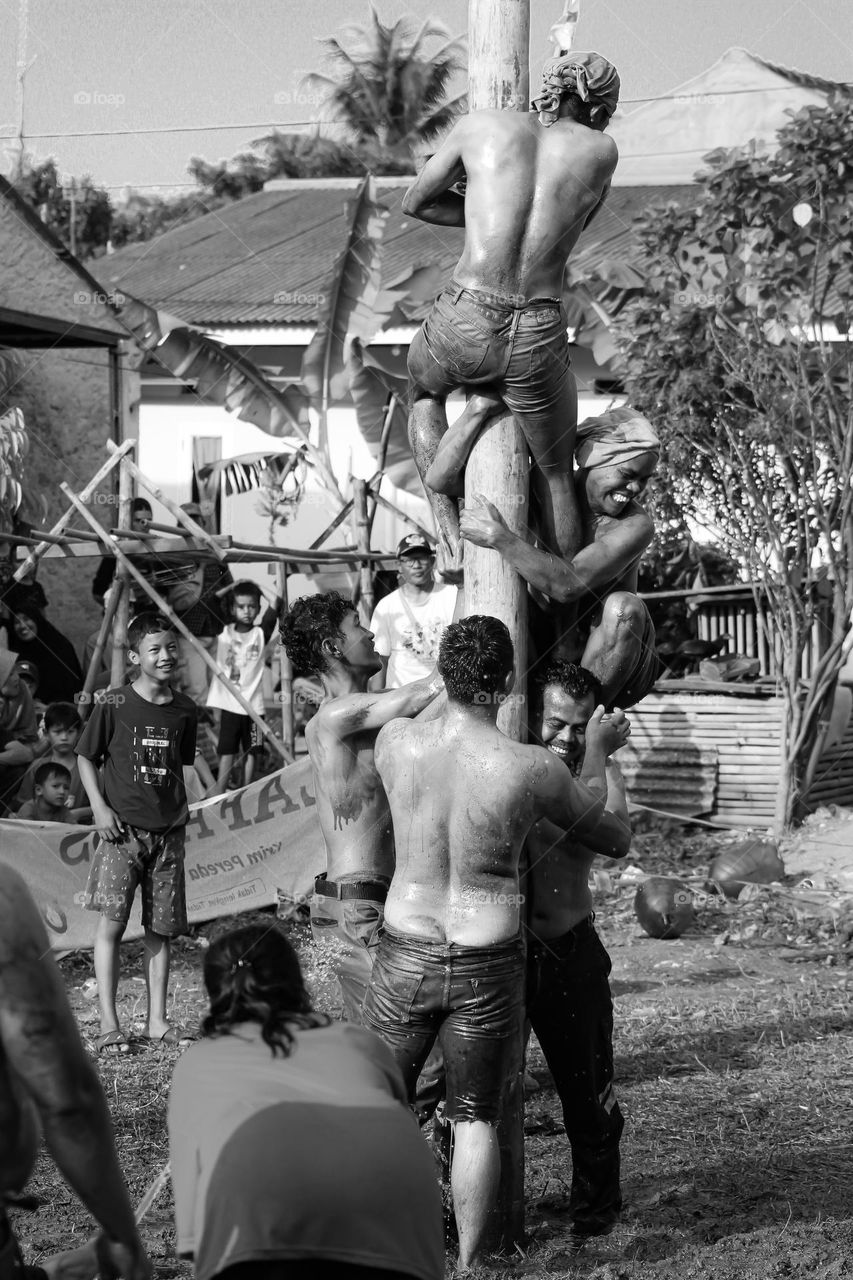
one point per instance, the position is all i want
(324, 636)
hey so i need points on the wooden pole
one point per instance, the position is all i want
(498, 76)
(85, 699)
(166, 609)
(498, 54)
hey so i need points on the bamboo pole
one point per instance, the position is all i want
(85, 494)
(180, 515)
(168, 612)
(361, 528)
(85, 699)
(498, 76)
(121, 580)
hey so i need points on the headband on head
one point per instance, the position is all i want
(591, 77)
(615, 436)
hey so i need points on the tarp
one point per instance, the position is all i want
(242, 849)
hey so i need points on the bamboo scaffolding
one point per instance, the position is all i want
(169, 613)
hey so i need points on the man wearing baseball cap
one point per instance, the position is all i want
(409, 623)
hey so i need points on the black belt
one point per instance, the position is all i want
(375, 890)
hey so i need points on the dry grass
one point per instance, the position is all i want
(734, 1072)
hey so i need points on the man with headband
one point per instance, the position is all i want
(596, 618)
(531, 184)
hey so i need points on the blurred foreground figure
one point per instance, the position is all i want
(293, 1151)
(48, 1085)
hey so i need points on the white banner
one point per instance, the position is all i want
(241, 850)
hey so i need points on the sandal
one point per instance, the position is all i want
(113, 1043)
(173, 1037)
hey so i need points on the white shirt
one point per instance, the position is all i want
(240, 655)
(411, 647)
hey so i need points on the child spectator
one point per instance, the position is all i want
(51, 784)
(143, 733)
(240, 654)
(61, 730)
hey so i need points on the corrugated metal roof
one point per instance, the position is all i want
(266, 258)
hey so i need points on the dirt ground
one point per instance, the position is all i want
(733, 1064)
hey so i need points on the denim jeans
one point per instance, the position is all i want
(471, 999)
(473, 338)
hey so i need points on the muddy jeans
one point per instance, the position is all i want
(471, 999)
(570, 1008)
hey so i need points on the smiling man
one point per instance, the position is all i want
(323, 636)
(409, 623)
(568, 999)
(593, 613)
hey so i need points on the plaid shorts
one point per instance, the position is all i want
(152, 859)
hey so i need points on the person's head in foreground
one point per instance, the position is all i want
(475, 660)
(616, 455)
(51, 785)
(152, 645)
(252, 974)
(578, 86)
(416, 561)
(568, 695)
(322, 632)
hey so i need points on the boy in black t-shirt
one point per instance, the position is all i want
(143, 734)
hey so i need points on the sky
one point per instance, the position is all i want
(188, 69)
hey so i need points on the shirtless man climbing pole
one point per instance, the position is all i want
(323, 636)
(450, 962)
(532, 182)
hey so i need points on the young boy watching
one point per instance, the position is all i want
(240, 655)
(51, 783)
(61, 730)
(143, 734)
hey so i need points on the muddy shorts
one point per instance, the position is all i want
(471, 999)
(473, 338)
(152, 859)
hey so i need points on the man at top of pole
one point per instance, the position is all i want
(524, 186)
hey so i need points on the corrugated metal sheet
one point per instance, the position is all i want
(266, 258)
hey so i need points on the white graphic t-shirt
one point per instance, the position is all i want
(240, 655)
(411, 647)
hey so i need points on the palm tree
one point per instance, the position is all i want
(391, 93)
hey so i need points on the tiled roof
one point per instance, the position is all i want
(265, 259)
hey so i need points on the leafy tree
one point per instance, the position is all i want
(739, 347)
(88, 209)
(141, 216)
(389, 88)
